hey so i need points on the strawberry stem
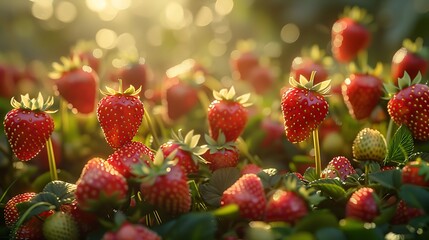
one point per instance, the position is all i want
(389, 131)
(366, 173)
(51, 160)
(317, 158)
(152, 129)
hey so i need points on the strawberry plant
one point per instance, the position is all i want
(319, 153)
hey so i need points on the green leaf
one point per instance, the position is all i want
(63, 190)
(220, 180)
(229, 211)
(192, 226)
(415, 196)
(330, 233)
(269, 177)
(330, 187)
(316, 220)
(46, 197)
(401, 146)
(389, 179)
(310, 174)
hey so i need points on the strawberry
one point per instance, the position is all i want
(304, 107)
(261, 78)
(76, 83)
(88, 58)
(349, 36)
(338, 167)
(132, 231)
(369, 144)
(124, 158)
(250, 168)
(308, 62)
(227, 114)
(362, 205)
(408, 105)
(220, 154)
(248, 193)
(86, 221)
(273, 134)
(408, 59)
(405, 213)
(7, 85)
(187, 152)
(11, 213)
(416, 173)
(120, 114)
(243, 62)
(30, 230)
(100, 186)
(286, 206)
(28, 126)
(164, 184)
(134, 74)
(60, 225)
(361, 93)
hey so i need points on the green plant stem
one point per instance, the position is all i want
(152, 130)
(389, 131)
(366, 174)
(51, 160)
(317, 158)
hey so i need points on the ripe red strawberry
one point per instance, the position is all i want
(179, 97)
(124, 158)
(28, 126)
(304, 107)
(250, 168)
(416, 173)
(309, 62)
(7, 85)
(100, 186)
(134, 74)
(274, 134)
(11, 213)
(261, 79)
(248, 193)
(31, 230)
(187, 152)
(286, 206)
(405, 213)
(60, 225)
(408, 106)
(369, 144)
(227, 114)
(220, 154)
(76, 83)
(132, 231)
(361, 93)
(338, 167)
(362, 205)
(408, 59)
(243, 62)
(349, 36)
(120, 114)
(164, 184)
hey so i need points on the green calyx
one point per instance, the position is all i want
(323, 87)
(159, 166)
(67, 65)
(413, 47)
(292, 184)
(229, 95)
(403, 83)
(189, 143)
(358, 14)
(215, 146)
(33, 104)
(364, 68)
(131, 91)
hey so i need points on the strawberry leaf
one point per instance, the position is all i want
(63, 190)
(330, 187)
(310, 174)
(316, 220)
(269, 177)
(330, 233)
(229, 211)
(356, 230)
(415, 196)
(401, 146)
(389, 179)
(221, 179)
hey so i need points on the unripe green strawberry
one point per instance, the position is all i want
(60, 226)
(369, 144)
